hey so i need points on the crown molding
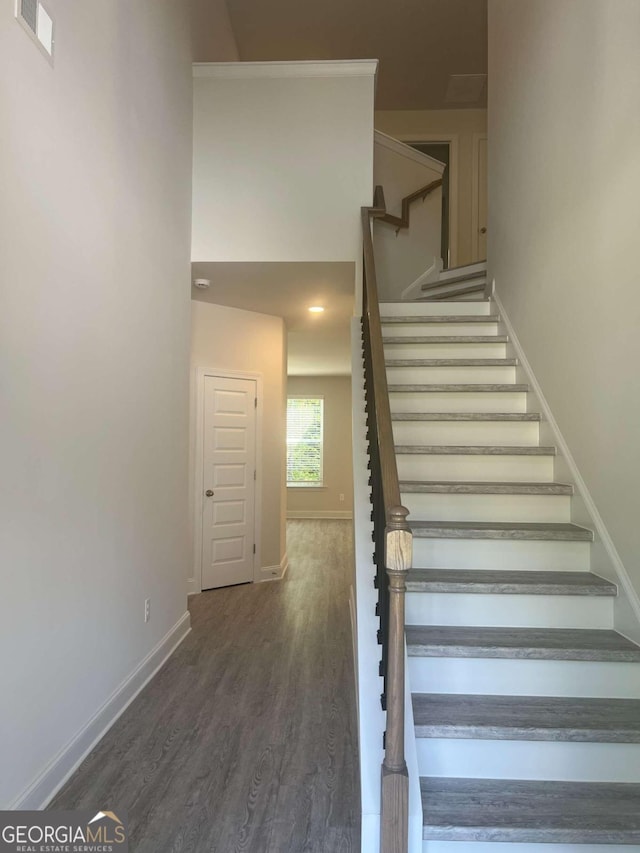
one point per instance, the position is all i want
(272, 70)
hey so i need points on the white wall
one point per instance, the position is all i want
(404, 256)
(283, 160)
(305, 502)
(564, 217)
(95, 169)
(463, 127)
(245, 341)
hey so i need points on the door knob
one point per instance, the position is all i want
(483, 230)
(209, 493)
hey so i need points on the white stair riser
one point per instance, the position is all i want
(523, 677)
(458, 401)
(509, 611)
(446, 375)
(482, 468)
(427, 329)
(521, 433)
(508, 847)
(458, 507)
(451, 350)
(433, 309)
(536, 555)
(519, 759)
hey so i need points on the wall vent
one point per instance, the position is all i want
(465, 88)
(37, 22)
(29, 14)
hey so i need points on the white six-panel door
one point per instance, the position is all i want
(228, 481)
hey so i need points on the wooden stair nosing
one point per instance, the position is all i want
(460, 487)
(509, 530)
(434, 296)
(454, 279)
(451, 362)
(577, 644)
(517, 417)
(456, 388)
(527, 811)
(532, 718)
(447, 339)
(506, 582)
(473, 450)
(458, 319)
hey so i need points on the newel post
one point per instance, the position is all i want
(394, 814)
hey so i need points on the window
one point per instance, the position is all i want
(304, 441)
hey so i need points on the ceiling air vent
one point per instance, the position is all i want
(38, 23)
(465, 88)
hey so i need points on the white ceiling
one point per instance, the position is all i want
(419, 43)
(318, 344)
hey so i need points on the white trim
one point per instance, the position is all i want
(475, 194)
(320, 513)
(430, 275)
(274, 573)
(194, 583)
(272, 70)
(54, 775)
(404, 150)
(627, 593)
(454, 183)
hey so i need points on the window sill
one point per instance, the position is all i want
(305, 486)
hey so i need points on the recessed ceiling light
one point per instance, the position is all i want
(316, 309)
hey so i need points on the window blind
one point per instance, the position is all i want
(304, 441)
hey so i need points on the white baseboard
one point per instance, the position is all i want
(54, 775)
(628, 611)
(313, 513)
(274, 573)
(429, 276)
(193, 587)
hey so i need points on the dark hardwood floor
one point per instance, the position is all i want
(246, 740)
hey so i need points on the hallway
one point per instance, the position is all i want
(246, 740)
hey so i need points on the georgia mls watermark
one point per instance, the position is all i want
(64, 832)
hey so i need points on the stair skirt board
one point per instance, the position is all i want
(524, 677)
(515, 611)
(466, 432)
(501, 554)
(559, 761)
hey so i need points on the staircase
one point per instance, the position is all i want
(526, 702)
(468, 283)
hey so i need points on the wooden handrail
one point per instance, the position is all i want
(402, 221)
(394, 551)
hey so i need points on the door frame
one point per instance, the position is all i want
(452, 139)
(198, 497)
(475, 194)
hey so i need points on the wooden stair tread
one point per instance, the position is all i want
(529, 643)
(519, 530)
(555, 718)
(524, 811)
(447, 339)
(503, 581)
(441, 318)
(491, 388)
(476, 488)
(474, 450)
(456, 279)
(466, 416)
(441, 291)
(451, 362)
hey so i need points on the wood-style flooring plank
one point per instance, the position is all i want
(246, 740)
